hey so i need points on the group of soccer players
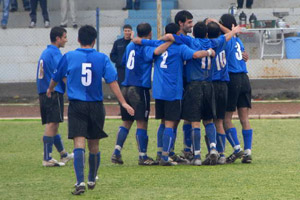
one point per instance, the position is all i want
(195, 78)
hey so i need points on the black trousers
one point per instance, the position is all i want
(248, 3)
(43, 5)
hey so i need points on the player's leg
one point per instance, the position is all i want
(94, 162)
(221, 140)
(79, 160)
(160, 114)
(187, 139)
(168, 138)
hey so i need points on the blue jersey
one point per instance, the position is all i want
(46, 66)
(138, 61)
(219, 63)
(234, 49)
(84, 69)
(197, 69)
(167, 79)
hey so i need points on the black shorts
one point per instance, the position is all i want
(139, 99)
(52, 109)
(86, 119)
(168, 110)
(199, 101)
(239, 92)
(221, 90)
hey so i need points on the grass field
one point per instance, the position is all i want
(274, 173)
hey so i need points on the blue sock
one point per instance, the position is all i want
(187, 136)
(58, 143)
(79, 164)
(172, 153)
(167, 142)
(160, 133)
(94, 163)
(247, 136)
(207, 142)
(48, 144)
(232, 138)
(121, 137)
(221, 140)
(196, 136)
(211, 133)
(142, 141)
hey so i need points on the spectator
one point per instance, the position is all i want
(118, 50)
(43, 5)
(64, 12)
(129, 5)
(14, 5)
(5, 13)
(248, 4)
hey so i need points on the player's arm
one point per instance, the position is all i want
(168, 37)
(162, 48)
(201, 54)
(245, 56)
(235, 30)
(51, 87)
(223, 28)
(116, 90)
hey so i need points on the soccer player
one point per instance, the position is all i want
(52, 109)
(136, 86)
(84, 69)
(239, 95)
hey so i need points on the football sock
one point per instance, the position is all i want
(232, 138)
(211, 133)
(160, 133)
(221, 139)
(196, 137)
(142, 141)
(94, 163)
(121, 137)
(187, 138)
(48, 144)
(247, 136)
(58, 143)
(168, 137)
(79, 164)
(172, 153)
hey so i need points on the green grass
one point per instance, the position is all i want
(274, 173)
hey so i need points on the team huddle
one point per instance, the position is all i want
(201, 78)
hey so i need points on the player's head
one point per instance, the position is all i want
(227, 20)
(144, 30)
(213, 30)
(87, 35)
(200, 30)
(172, 28)
(127, 30)
(58, 36)
(184, 19)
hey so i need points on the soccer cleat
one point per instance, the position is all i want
(79, 189)
(196, 162)
(52, 163)
(179, 160)
(158, 158)
(67, 158)
(221, 160)
(32, 24)
(117, 159)
(247, 159)
(148, 161)
(162, 162)
(91, 185)
(234, 156)
(188, 155)
(212, 158)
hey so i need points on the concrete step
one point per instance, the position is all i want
(137, 14)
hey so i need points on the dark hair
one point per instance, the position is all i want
(200, 30)
(213, 30)
(172, 28)
(127, 26)
(227, 20)
(87, 34)
(56, 32)
(143, 29)
(183, 16)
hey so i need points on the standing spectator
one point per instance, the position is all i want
(64, 13)
(248, 4)
(5, 13)
(14, 5)
(118, 50)
(129, 5)
(43, 5)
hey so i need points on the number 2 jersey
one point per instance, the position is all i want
(84, 69)
(47, 64)
(234, 49)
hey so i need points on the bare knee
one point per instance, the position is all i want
(127, 124)
(93, 146)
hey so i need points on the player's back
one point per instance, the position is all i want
(234, 50)
(138, 61)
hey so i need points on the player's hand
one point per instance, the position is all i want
(132, 35)
(213, 53)
(137, 40)
(129, 109)
(49, 92)
(245, 56)
(168, 37)
(236, 29)
(211, 20)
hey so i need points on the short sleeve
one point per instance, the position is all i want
(148, 52)
(110, 73)
(182, 39)
(61, 70)
(219, 42)
(186, 52)
(153, 43)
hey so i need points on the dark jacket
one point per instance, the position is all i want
(118, 50)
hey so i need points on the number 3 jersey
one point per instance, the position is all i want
(84, 69)
(47, 64)
(234, 49)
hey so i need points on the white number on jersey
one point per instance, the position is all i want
(86, 78)
(41, 70)
(221, 60)
(203, 61)
(163, 63)
(238, 54)
(130, 61)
